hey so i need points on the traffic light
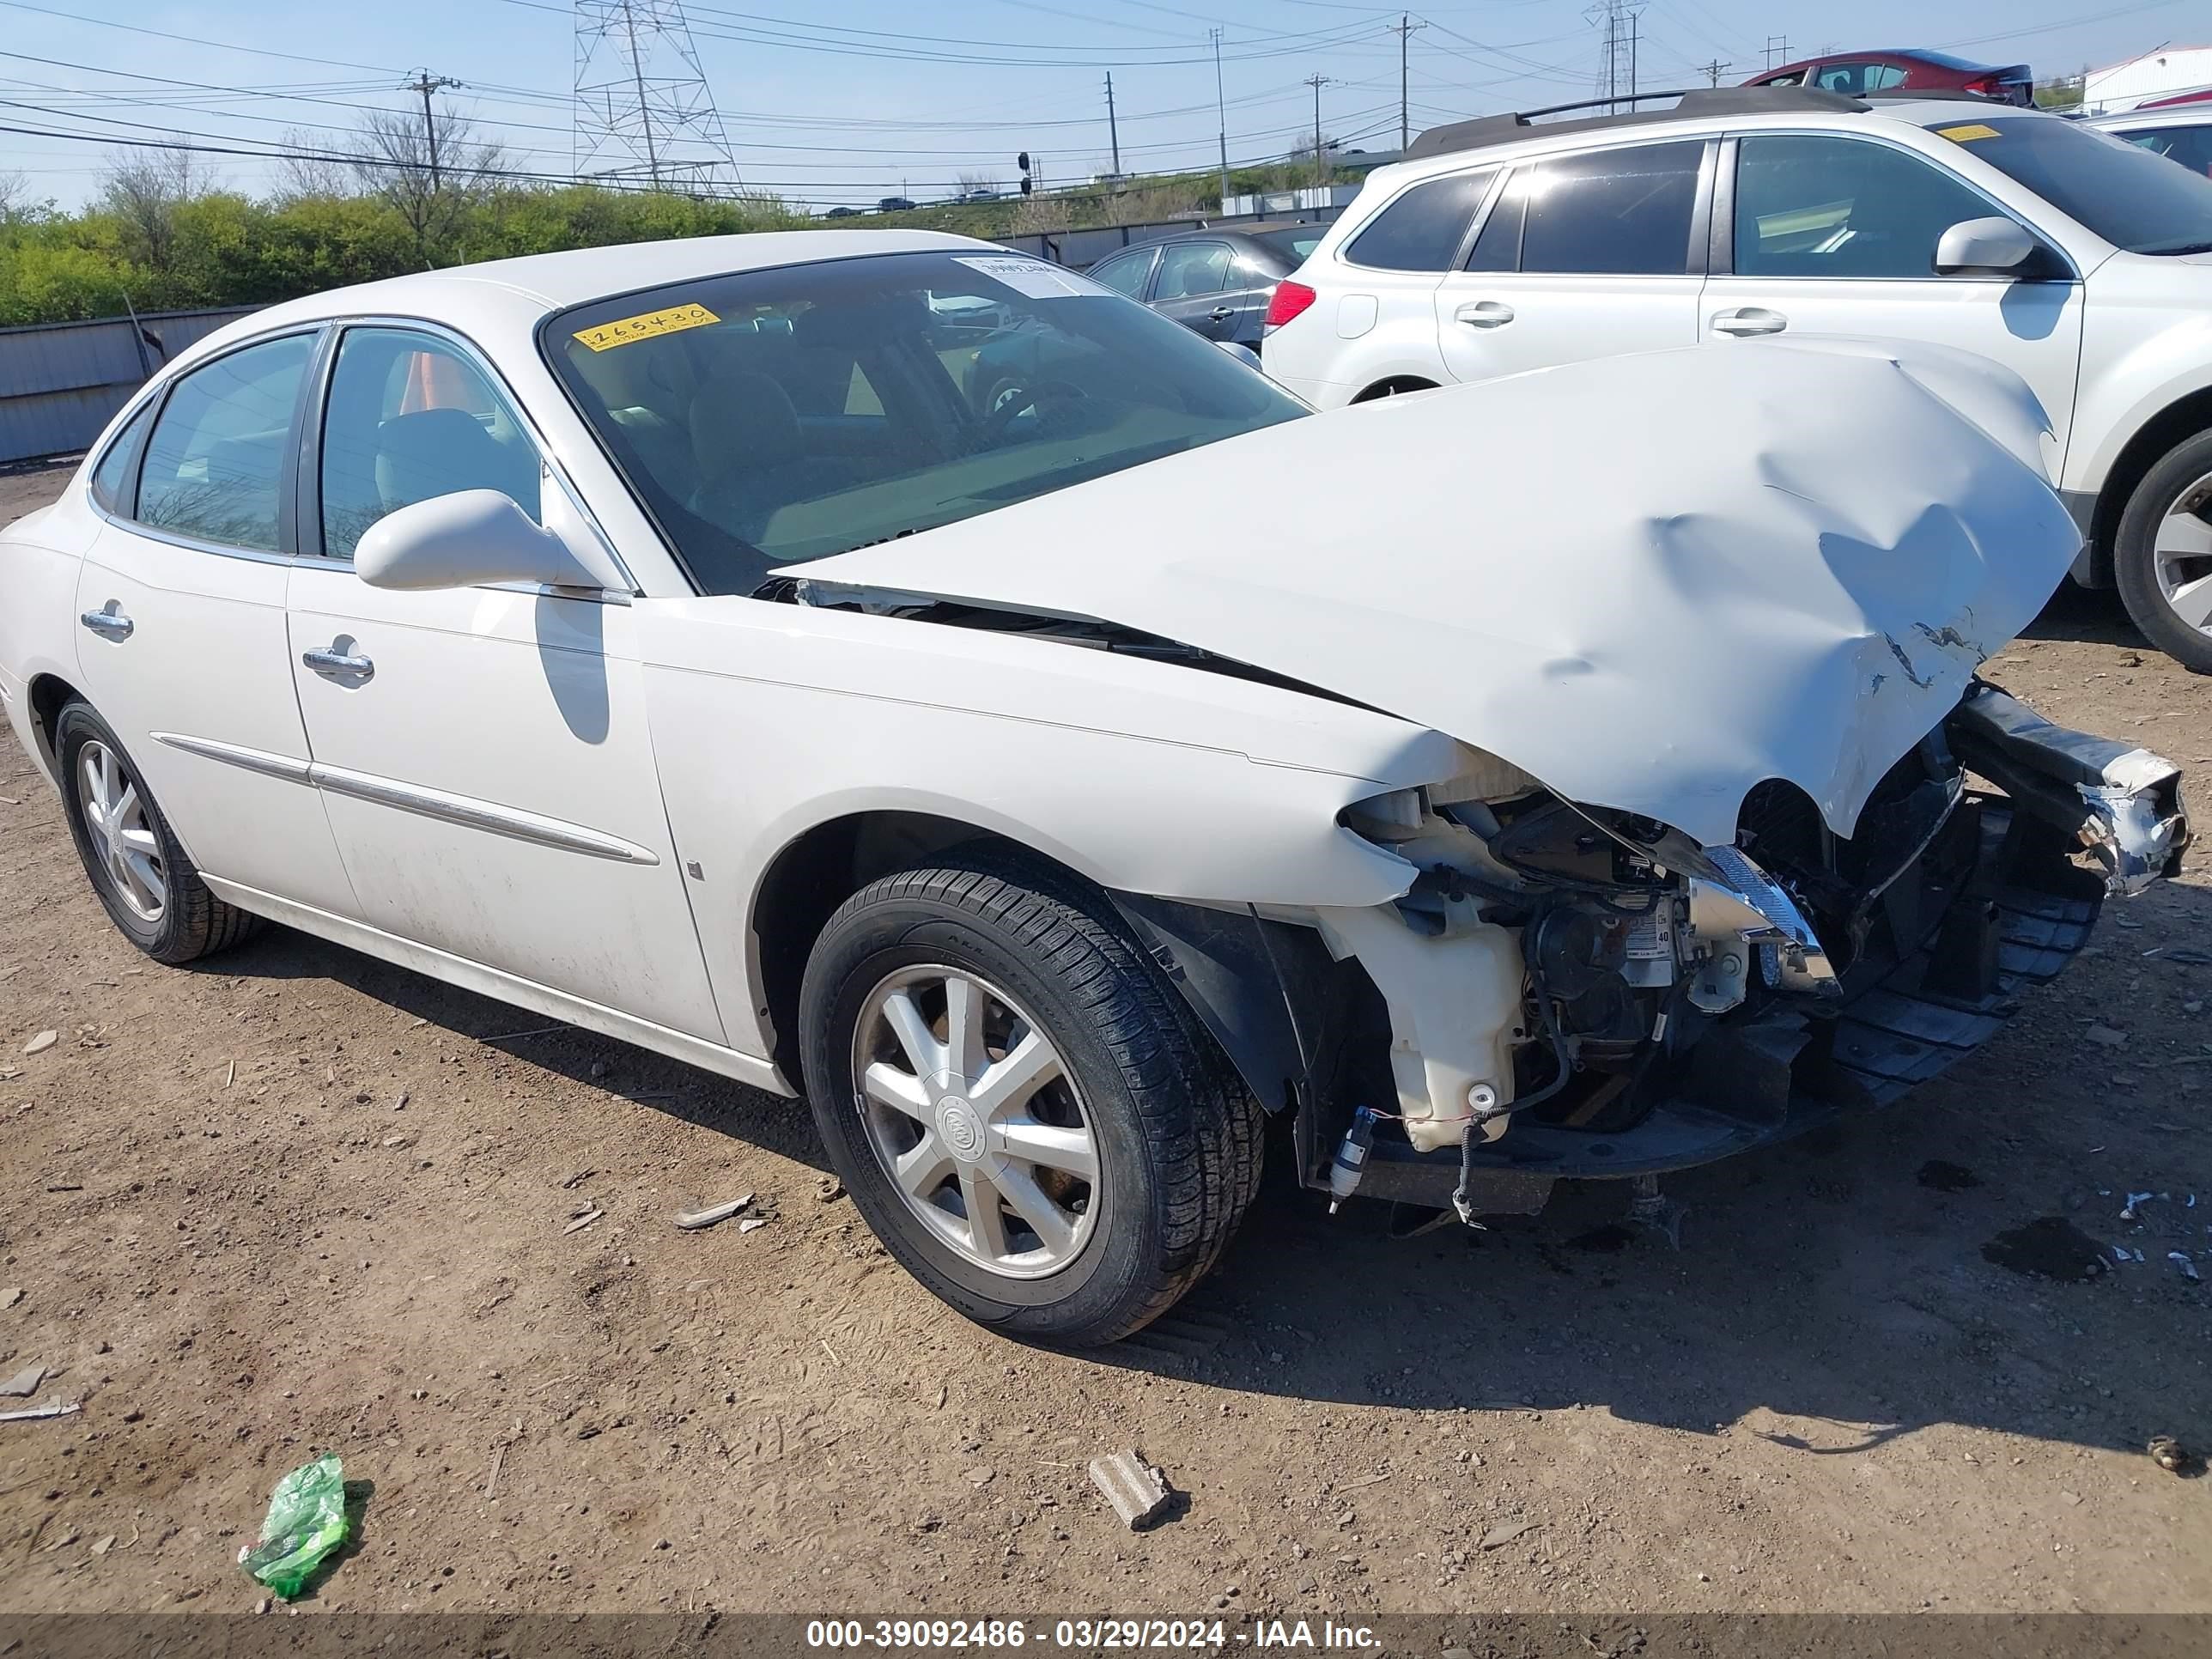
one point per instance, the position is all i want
(1023, 162)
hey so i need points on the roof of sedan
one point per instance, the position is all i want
(553, 281)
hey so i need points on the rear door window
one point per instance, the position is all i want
(217, 456)
(1421, 230)
(1126, 273)
(1189, 271)
(1613, 212)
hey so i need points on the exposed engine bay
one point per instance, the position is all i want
(1674, 1003)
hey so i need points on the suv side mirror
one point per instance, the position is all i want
(1990, 245)
(466, 539)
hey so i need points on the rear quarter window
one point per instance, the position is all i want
(1421, 229)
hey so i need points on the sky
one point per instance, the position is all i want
(846, 101)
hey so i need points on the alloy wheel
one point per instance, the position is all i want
(115, 819)
(975, 1117)
(2181, 556)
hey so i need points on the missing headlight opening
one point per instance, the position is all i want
(1566, 990)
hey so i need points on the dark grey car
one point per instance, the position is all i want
(1215, 282)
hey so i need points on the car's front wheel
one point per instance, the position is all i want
(2162, 554)
(1019, 1106)
(138, 867)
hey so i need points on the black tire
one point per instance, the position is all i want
(194, 922)
(1179, 1148)
(2134, 563)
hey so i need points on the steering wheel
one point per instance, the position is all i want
(1010, 399)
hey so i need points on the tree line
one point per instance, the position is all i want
(164, 231)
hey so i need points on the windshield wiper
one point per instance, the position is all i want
(2175, 252)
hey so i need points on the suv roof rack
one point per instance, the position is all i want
(1695, 100)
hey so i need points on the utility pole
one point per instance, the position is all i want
(1221, 108)
(1403, 28)
(1714, 71)
(1321, 157)
(1114, 132)
(1777, 49)
(1635, 18)
(427, 83)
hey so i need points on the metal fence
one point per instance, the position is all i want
(60, 383)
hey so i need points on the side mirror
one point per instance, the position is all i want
(1242, 353)
(1992, 245)
(467, 539)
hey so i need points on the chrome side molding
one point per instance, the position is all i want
(489, 817)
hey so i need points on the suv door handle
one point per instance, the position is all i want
(109, 624)
(1220, 313)
(1746, 320)
(1485, 313)
(333, 664)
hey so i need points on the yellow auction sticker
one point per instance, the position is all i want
(1967, 134)
(604, 336)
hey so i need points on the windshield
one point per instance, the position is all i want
(2133, 199)
(771, 417)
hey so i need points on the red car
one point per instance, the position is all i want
(1855, 72)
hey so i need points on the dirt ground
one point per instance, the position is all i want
(295, 1200)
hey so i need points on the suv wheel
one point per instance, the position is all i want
(1019, 1104)
(2162, 554)
(153, 893)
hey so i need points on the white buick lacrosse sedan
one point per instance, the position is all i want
(877, 667)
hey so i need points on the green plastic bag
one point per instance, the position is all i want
(306, 1520)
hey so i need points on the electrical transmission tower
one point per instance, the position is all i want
(644, 114)
(1616, 76)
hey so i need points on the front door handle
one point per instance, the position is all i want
(109, 624)
(1485, 313)
(1748, 320)
(336, 664)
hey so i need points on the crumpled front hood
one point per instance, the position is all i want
(1651, 582)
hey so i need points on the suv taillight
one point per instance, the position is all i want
(1291, 298)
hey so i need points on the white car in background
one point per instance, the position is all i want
(1746, 214)
(747, 648)
(2179, 132)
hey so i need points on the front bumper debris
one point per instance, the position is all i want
(2124, 804)
(1998, 902)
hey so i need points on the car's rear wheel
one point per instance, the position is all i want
(151, 890)
(1021, 1109)
(2162, 554)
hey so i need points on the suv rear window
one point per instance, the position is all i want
(1421, 230)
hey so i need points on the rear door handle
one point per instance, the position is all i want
(1221, 313)
(333, 664)
(109, 624)
(1485, 313)
(1746, 320)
